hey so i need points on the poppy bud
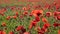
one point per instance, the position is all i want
(16, 13)
(8, 17)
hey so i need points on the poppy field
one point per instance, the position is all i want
(30, 17)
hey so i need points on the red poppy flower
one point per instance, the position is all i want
(30, 26)
(55, 24)
(23, 29)
(30, 15)
(59, 24)
(58, 17)
(37, 19)
(3, 10)
(57, 6)
(21, 16)
(11, 32)
(13, 7)
(58, 31)
(43, 30)
(18, 8)
(44, 20)
(37, 13)
(54, 3)
(26, 33)
(16, 14)
(18, 28)
(46, 25)
(56, 13)
(8, 17)
(2, 32)
(33, 23)
(25, 12)
(24, 8)
(2, 13)
(48, 14)
(14, 17)
(3, 24)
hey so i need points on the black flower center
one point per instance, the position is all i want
(38, 14)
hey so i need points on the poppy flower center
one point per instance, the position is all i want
(48, 14)
(38, 14)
